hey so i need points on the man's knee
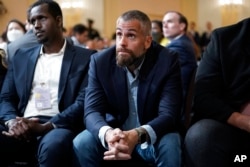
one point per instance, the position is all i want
(85, 141)
(202, 131)
(201, 141)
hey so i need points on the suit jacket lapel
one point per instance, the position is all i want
(121, 85)
(66, 64)
(145, 81)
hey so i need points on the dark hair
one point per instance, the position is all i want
(182, 19)
(21, 24)
(4, 36)
(53, 8)
(140, 16)
(158, 22)
(79, 28)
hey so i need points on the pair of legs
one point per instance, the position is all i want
(165, 153)
(54, 149)
(209, 143)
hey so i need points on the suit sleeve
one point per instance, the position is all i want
(9, 97)
(95, 103)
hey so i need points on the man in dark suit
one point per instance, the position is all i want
(220, 135)
(175, 27)
(133, 99)
(42, 97)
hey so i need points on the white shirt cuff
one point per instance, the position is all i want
(102, 133)
(151, 133)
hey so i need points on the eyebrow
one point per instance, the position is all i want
(129, 30)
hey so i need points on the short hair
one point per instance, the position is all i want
(140, 16)
(79, 28)
(53, 8)
(182, 19)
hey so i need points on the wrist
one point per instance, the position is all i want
(48, 126)
(107, 134)
(142, 135)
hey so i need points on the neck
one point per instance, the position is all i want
(53, 48)
(135, 64)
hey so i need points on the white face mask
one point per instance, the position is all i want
(14, 34)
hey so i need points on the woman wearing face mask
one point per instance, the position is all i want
(157, 33)
(14, 30)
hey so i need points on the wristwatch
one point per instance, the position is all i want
(142, 135)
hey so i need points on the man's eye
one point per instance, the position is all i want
(131, 36)
(32, 22)
(43, 19)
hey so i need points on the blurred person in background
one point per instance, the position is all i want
(157, 33)
(3, 67)
(92, 32)
(80, 35)
(27, 40)
(15, 29)
(175, 26)
(194, 33)
(206, 35)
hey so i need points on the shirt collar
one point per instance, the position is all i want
(136, 71)
(177, 37)
(61, 52)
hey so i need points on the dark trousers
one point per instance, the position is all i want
(54, 149)
(209, 143)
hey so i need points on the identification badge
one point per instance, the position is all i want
(42, 98)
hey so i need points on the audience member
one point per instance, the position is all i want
(3, 43)
(92, 32)
(221, 101)
(157, 33)
(42, 97)
(205, 37)
(133, 99)
(80, 35)
(27, 40)
(175, 27)
(194, 33)
(3, 67)
(14, 30)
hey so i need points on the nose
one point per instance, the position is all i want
(37, 24)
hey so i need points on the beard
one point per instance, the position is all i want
(127, 58)
(42, 40)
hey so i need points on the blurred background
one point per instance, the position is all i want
(105, 12)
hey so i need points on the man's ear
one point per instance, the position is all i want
(182, 26)
(59, 21)
(148, 41)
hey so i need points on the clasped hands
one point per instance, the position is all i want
(120, 144)
(25, 128)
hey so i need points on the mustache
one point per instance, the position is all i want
(123, 50)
